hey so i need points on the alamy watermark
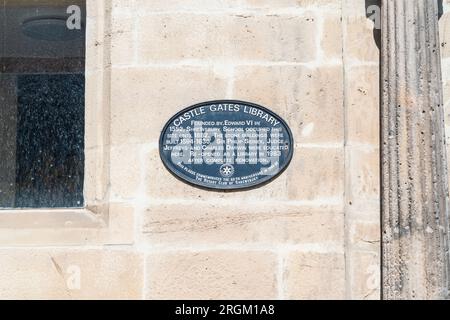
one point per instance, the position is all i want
(74, 20)
(373, 13)
(73, 281)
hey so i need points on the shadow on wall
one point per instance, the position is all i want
(370, 12)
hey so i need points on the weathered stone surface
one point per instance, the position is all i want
(317, 174)
(359, 40)
(214, 5)
(143, 99)
(365, 234)
(310, 100)
(354, 8)
(314, 276)
(444, 35)
(331, 38)
(123, 44)
(414, 168)
(264, 224)
(363, 105)
(363, 180)
(228, 37)
(365, 283)
(243, 275)
(145, 6)
(70, 274)
(125, 176)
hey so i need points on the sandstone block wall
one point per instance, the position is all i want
(312, 233)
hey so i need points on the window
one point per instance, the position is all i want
(42, 98)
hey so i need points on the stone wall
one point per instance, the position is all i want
(312, 233)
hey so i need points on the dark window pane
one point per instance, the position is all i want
(42, 103)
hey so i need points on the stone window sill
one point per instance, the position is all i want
(113, 225)
(100, 223)
(50, 218)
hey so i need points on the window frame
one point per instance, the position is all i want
(98, 223)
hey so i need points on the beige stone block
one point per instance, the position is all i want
(125, 173)
(359, 38)
(312, 276)
(332, 4)
(124, 5)
(363, 185)
(310, 100)
(317, 174)
(145, 6)
(108, 224)
(444, 35)
(366, 234)
(363, 103)
(70, 274)
(317, 113)
(445, 70)
(284, 38)
(227, 37)
(176, 37)
(122, 40)
(94, 42)
(263, 224)
(446, 83)
(331, 40)
(366, 279)
(354, 7)
(143, 100)
(121, 224)
(214, 5)
(211, 275)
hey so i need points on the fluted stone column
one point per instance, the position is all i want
(414, 171)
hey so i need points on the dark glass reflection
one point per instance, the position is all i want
(42, 89)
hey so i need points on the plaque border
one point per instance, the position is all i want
(254, 185)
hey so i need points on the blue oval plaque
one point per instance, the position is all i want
(226, 145)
